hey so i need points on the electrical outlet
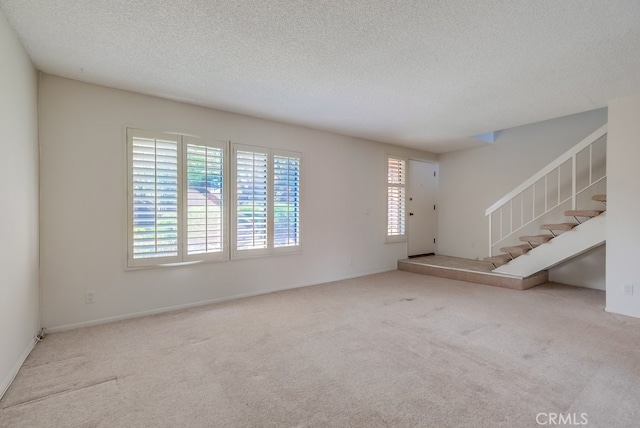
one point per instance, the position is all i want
(627, 289)
(88, 297)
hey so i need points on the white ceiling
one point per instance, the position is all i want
(422, 73)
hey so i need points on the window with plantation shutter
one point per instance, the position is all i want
(252, 196)
(205, 202)
(396, 176)
(154, 199)
(286, 200)
(176, 199)
(180, 209)
(267, 201)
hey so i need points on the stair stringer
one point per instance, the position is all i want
(569, 244)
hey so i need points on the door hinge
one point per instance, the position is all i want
(434, 173)
(434, 207)
(434, 240)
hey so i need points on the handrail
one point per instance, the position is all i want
(549, 168)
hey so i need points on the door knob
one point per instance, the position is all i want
(410, 213)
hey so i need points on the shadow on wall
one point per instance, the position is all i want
(586, 270)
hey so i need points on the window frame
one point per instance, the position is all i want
(182, 256)
(391, 238)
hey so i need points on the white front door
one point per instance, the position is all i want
(420, 211)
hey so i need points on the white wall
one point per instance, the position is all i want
(586, 270)
(19, 295)
(84, 206)
(623, 205)
(473, 179)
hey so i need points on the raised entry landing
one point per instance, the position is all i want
(476, 271)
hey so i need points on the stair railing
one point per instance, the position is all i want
(564, 179)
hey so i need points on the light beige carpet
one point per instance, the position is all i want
(395, 349)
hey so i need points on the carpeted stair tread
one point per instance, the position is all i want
(536, 239)
(498, 260)
(516, 250)
(558, 226)
(599, 198)
(583, 213)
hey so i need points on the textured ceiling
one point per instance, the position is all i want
(423, 73)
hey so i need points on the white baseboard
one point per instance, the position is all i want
(623, 313)
(6, 382)
(66, 327)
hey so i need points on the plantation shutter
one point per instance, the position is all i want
(286, 197)
(396, 175)
(252, 172)
(178, 206)
(153, 198)
(205, 199)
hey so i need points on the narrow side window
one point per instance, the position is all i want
(396, 185)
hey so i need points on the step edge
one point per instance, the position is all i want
(504, 275)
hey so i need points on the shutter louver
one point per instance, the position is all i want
(205, 203)
(154, 198)
(251, 200)
(286, 197)
(396, 171)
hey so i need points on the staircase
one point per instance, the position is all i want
(573, 185)
(549, 254)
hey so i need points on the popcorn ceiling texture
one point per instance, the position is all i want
(424, 74)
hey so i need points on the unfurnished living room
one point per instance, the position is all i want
(319, 213)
